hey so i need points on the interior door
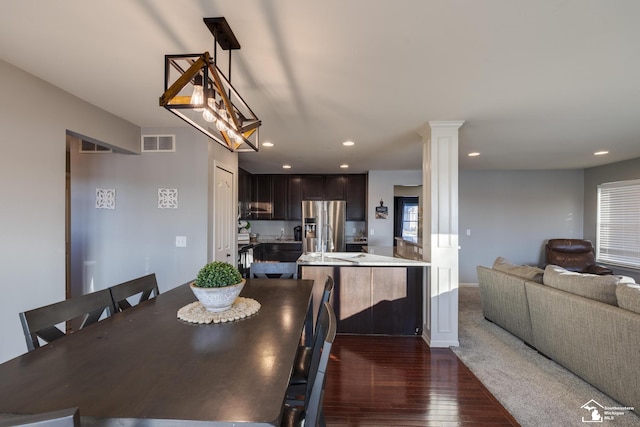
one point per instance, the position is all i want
(224, 218)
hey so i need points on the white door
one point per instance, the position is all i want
(224, 217)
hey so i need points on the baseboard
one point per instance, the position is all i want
(440, 344)
(468, 285)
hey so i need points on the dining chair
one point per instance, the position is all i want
(311, 414)
(41, 322)
(274, 270)
(304, 354)
(145, 286)
(61, 418)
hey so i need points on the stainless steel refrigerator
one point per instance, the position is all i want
(323, 226)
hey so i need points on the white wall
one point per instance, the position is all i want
(512, 213)
(32, 188)
(381, 185)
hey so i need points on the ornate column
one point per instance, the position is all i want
(440, 231)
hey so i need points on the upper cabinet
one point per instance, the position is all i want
(244, 194)
(279, 188)
(280, 196)
(334, 187)
(313, 187)
(294, 201)
(262, 197)
(323, 187)
(356, 195)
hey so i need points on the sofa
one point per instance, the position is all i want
(587, 323)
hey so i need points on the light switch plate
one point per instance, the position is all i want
(181, 241)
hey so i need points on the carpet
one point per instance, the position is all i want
(535, 390)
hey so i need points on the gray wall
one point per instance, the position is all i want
(381, 187)
(32, 188)
(138, 238)
(512, 213)
(620, 171)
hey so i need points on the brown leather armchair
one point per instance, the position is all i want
(574, 255)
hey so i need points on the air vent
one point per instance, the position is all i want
(90, 147)
(158, 143)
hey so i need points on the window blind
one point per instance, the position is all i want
(619, 223)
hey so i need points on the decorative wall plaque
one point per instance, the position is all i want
(167, 198)
(105, 198)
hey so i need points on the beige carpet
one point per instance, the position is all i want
(534, 389)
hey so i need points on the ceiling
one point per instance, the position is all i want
(540, 85)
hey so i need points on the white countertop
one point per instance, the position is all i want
(357, 259)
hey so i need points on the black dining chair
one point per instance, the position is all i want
(145, 286)
(302, 362)
(41, 322)
(62, 418)
(274, 270)
(311, 414)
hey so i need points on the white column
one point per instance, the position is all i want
(440, 228)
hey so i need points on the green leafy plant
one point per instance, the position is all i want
(218, 274)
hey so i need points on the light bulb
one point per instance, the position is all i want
(207, 114)
(197, 97)
(221, 124)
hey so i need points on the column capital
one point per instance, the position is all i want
(425, 129)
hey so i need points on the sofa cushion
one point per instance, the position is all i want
(525, 271)
(599, 288)
(628, 296)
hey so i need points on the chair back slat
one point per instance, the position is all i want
(319, 361)
(61, 418)
(41, 322)
(145, 286)
(274, 270)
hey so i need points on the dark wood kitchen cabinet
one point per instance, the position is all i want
(279, 201)
(356, 195)
(313, 187)
(323, 187)
(244, 194)
(334, 187)
(262, 197)
(278, 252)
(294, 201)
(280, 196)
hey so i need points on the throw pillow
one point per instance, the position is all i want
(629, 297)
(525, 271)
(599, 288)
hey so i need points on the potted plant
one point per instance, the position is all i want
(217, 285)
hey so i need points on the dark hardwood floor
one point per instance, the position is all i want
(400, 381)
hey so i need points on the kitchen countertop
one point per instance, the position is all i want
(357, 259)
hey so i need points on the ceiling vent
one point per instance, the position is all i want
(158, 143)
(90, 147)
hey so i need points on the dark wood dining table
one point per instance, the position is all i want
(145, 367)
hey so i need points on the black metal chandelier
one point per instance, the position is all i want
(200, 94)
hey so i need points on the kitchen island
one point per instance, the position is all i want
(373, 294)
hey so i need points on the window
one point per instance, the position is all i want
(406, 218)
(619, 223)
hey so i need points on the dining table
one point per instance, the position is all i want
(145, 367)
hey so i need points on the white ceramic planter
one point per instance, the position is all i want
(217, 299)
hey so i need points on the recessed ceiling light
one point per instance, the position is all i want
(348, 143)
(286, 166)
(474, 154)
(344, 166)
(600, 153)
(267, 144)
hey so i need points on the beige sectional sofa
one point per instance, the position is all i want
(588, 324)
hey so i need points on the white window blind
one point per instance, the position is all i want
(619, 223)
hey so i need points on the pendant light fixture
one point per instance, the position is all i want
(198, 92)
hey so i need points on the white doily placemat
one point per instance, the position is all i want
(241, 308)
